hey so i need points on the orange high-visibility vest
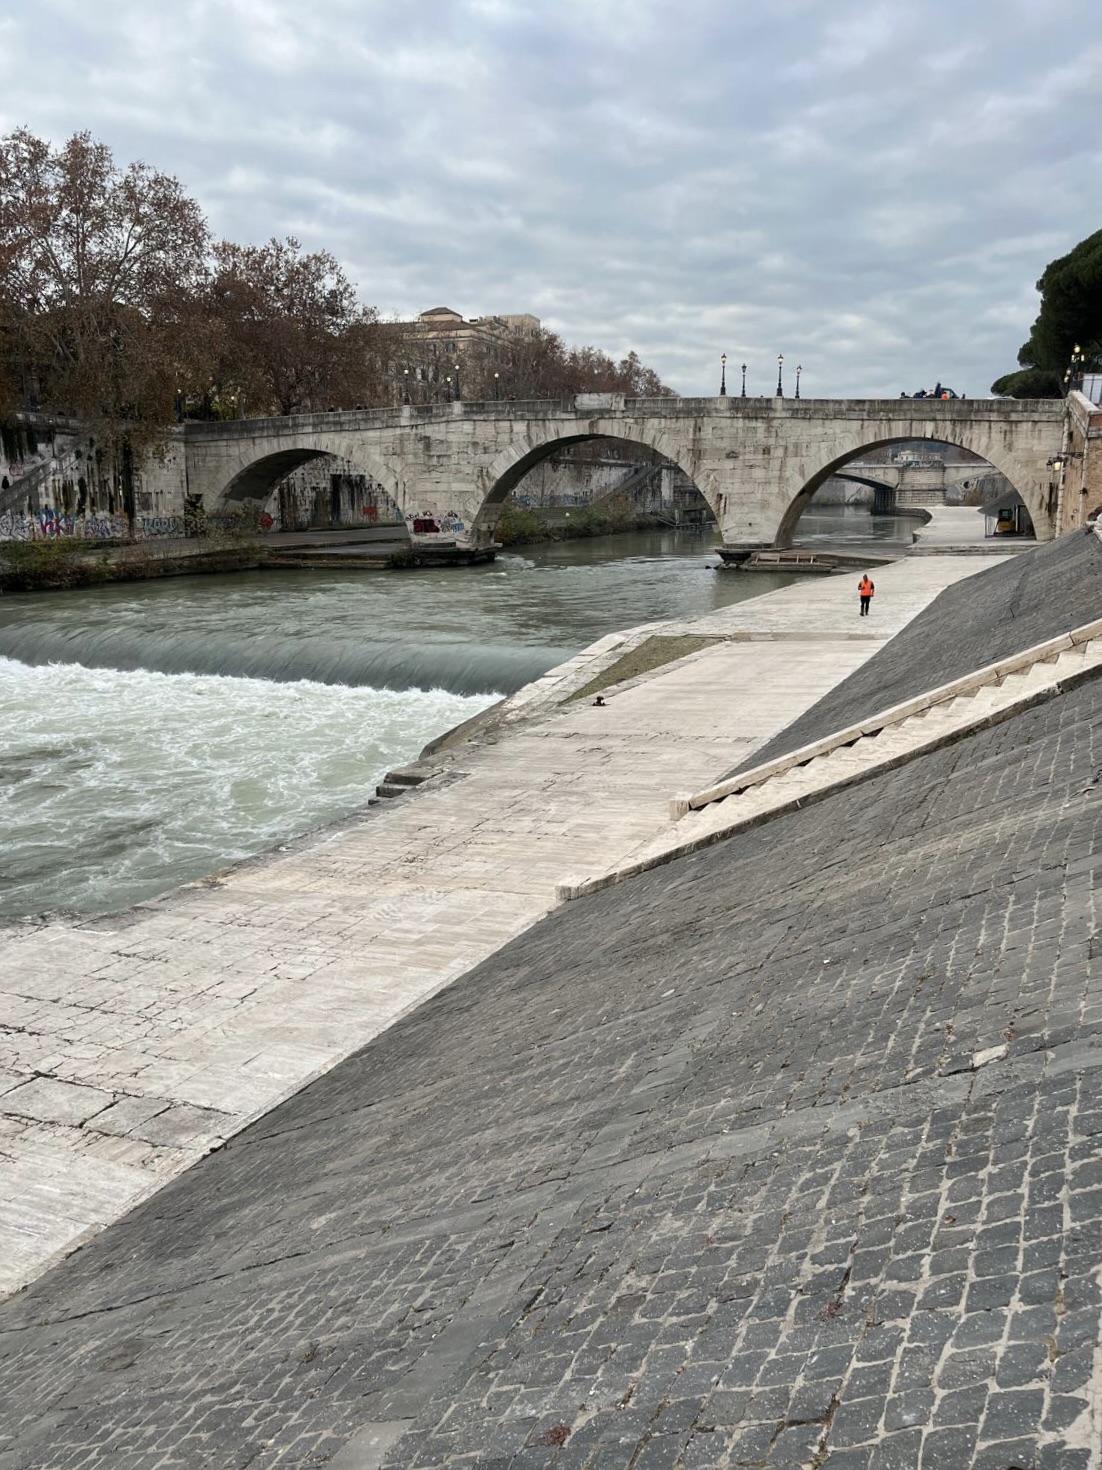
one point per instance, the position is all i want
(866, 588)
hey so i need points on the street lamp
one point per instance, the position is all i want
(780, 370)
(799, 370)
(743, 394)
(405, 386)
(448, 389)
(1078, 360)
(723, 376)
(497, 385)
(458, 394)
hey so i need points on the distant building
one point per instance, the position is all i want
(444, 332)
(440, 344)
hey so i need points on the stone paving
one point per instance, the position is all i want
(132, 1045)
(787, 1154)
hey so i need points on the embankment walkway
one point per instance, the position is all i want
(138, 1042)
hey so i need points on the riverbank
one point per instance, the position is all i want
(147, 1038)
(65, 562)
(530, 526)
(62, 562)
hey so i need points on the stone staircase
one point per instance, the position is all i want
(860, 751)
(21, 489)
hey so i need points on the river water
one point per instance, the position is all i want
(151, 732)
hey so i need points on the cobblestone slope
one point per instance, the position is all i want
(1022, 601)
(786, 1154)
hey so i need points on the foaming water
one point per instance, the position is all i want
(117, 786)
(154, 731)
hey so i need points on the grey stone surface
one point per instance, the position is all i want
(685, 1176)
(1022, 601)
(49, 1100)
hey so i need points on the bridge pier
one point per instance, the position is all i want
(883, 500)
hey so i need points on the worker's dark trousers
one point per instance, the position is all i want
(865, 606)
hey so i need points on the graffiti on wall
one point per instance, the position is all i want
(48, 524)
(421, 523)
(150, 526)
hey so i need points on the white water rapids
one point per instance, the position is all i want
(117, 786)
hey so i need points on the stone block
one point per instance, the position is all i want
(51, 1101)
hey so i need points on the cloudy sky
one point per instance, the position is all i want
(871, 187)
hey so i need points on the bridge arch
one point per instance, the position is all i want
(257, 478)
(509, 467)
(1032, 494)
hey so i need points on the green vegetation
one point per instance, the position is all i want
(649, 655)
(1070, 317)
(43, 566)
(517, 526)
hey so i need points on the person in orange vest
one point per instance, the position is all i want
(865, 591)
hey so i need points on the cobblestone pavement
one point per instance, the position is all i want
(788, 1154)
(132, 1045)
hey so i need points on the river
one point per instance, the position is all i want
(154, 731)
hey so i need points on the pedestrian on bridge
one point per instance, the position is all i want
(866, 589)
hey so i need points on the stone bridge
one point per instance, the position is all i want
(902, 485)
(757, 461)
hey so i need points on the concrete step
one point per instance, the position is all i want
(391, 788)
(1037, 676)
(408, 775)
(990, 697)
(889, 742)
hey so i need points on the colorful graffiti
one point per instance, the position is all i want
(48, 524)
(423, 524)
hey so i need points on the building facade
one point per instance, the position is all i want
(440, 346)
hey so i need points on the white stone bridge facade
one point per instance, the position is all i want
(757, 461)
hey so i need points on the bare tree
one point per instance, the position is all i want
(289, 331)
(543, 367)
(99, 266)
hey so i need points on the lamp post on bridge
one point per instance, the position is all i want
(799, 370)
(458, 394)
(1078, 362)
(723, 376)
(448, 389)
(743, 393)
(405, 386)
(497, 386)
(780, 371)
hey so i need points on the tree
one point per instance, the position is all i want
(541, 366)
(288, 331)
(1070, 316)
(99, 266)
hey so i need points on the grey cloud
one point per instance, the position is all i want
(871, 189)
